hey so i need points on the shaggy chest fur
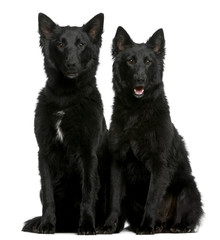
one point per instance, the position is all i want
(59, 131)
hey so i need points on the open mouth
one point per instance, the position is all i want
(138, 91)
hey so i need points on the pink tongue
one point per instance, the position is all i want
(138, 91)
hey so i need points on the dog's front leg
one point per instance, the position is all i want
(159, 181)
(48, 220)
(90, 184)
(115, 220)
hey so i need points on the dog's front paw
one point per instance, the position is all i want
(86, 228)
(109, 227)
(45, 225)
(45, 228)
(145, 230)
(86, 225)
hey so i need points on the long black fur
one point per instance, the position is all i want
(70, 130)
(152, 184)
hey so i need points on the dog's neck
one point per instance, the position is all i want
(66, 92)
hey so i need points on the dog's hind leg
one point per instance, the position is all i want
(188, 209)
(166, 213)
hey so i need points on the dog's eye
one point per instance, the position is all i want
(130, 61)
(81, 44)
(59, 44)
(147, 62)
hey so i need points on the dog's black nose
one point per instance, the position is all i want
(70, 65)
(140, 80)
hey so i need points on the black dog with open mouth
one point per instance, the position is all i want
(152, 183)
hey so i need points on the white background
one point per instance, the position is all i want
(191, 80)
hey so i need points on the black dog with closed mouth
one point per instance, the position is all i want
(152, 184)
(70, 129)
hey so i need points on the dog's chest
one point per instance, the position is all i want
(59, 132)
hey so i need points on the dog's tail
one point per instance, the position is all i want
(32, 225)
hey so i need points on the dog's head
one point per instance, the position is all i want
(70, 50)
(137, 67)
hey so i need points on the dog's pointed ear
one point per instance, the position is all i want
(121, 41)
(46, 26)
(157, 42)
(94, 27)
